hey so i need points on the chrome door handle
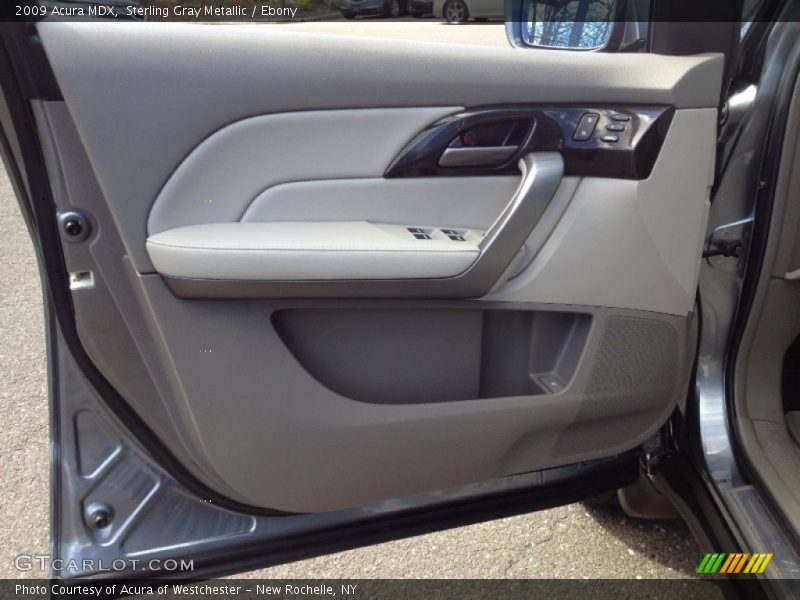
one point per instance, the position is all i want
(480, 156)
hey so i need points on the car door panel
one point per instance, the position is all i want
(631, 244)
(183, 111)
(266, 151)
(305, 402)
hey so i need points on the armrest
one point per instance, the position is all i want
(298, 251)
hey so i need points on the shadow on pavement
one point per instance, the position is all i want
(667, 542)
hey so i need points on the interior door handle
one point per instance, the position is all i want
(541, 175)
(481, 156)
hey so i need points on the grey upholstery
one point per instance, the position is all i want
(313, 250)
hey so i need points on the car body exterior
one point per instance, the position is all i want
(350, 9)
(459, 11)
(420, 8)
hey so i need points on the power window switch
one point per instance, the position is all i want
(586, 127)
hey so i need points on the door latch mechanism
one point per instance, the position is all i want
(727, 246)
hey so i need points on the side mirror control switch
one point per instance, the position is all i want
(586, 127)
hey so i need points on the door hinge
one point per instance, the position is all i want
(655, 449)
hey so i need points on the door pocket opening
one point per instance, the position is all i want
(385, 356)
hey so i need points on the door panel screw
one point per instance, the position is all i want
(99, 516)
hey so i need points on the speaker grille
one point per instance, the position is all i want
(632, 380)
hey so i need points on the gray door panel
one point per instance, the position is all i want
(307, 405)
(180, 84)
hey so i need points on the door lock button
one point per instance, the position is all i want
(620, 117)
(610, 138)
(586, 127)
(615, 127)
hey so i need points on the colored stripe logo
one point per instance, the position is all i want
(733, 563)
